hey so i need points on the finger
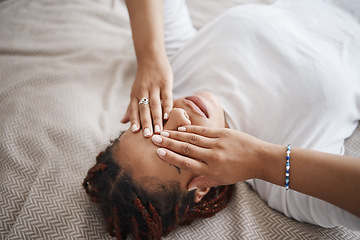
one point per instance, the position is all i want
(203, 131)
(192, 138)
(126, 117)
(155, 108)
(182, 162)
(134, 115)
(166, 97)
(145, 118)
(201, 182)
(185, 149)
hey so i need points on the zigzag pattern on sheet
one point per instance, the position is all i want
(43, 162)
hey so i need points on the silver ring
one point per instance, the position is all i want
(144, 101)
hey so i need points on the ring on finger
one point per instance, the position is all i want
(144, 101)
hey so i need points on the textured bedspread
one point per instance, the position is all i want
(66, 69)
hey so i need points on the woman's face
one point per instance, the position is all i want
(139, 153)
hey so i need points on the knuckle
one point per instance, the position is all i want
(216, 156)
(166, 98)
(193, 139)
(220, 145)
(167, 105)
(133, 96)
(142, 107)
(226, 134)
(168, 143)
(176, 135)
(145, 122)
(171, 157)
(204, 131)
(186, 149)
(157, 119)
(133, 107)
(185, 165)
(154, 104)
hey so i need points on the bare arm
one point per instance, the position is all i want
(154, 76)
(147, 24)
(330, 177)
(224, 156)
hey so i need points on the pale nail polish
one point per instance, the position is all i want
(156, 139)
(157, 128)
(165, 134)
(192, 188)
(166, 116)
(181, 129)
(161, 152)
(134, 127)
(147, 132)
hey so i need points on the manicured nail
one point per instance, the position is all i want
(166, 116)
(192, 188)
(182, 129)
(147, 132)
(134, 127)
(157, 128)
(165, 134)
(161, 152)
(156, 139)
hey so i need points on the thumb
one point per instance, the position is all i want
(201, 182)
(126, 117)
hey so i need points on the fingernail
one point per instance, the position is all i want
(192, 188)
(134, 127)
(147, 132)
(165, 134)
(181, 129)
(157, 128)
(166, 116)
(161, 152)
(156, 139)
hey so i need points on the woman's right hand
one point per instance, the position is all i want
(154, 81)
(219, 156)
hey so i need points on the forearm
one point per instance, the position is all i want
(330, 177)
(147, 24)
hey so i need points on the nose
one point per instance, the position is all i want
(177, 118)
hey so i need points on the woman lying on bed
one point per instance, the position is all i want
(279, 74)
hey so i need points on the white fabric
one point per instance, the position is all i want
(286, 73)
(178, 28)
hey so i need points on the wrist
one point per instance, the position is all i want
(272, 163)
(151, 54)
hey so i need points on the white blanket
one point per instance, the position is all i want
(66, 69)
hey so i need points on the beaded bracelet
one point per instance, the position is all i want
(287, 169)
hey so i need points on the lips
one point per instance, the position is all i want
(198, 105)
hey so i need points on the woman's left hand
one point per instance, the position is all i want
(219, 156)
(154, 80)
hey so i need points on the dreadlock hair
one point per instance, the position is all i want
(129, 208)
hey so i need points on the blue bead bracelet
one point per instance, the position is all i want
(287, 168)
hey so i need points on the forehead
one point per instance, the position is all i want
(132, 149)
(137, 153)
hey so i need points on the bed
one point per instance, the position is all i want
(66, 69)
